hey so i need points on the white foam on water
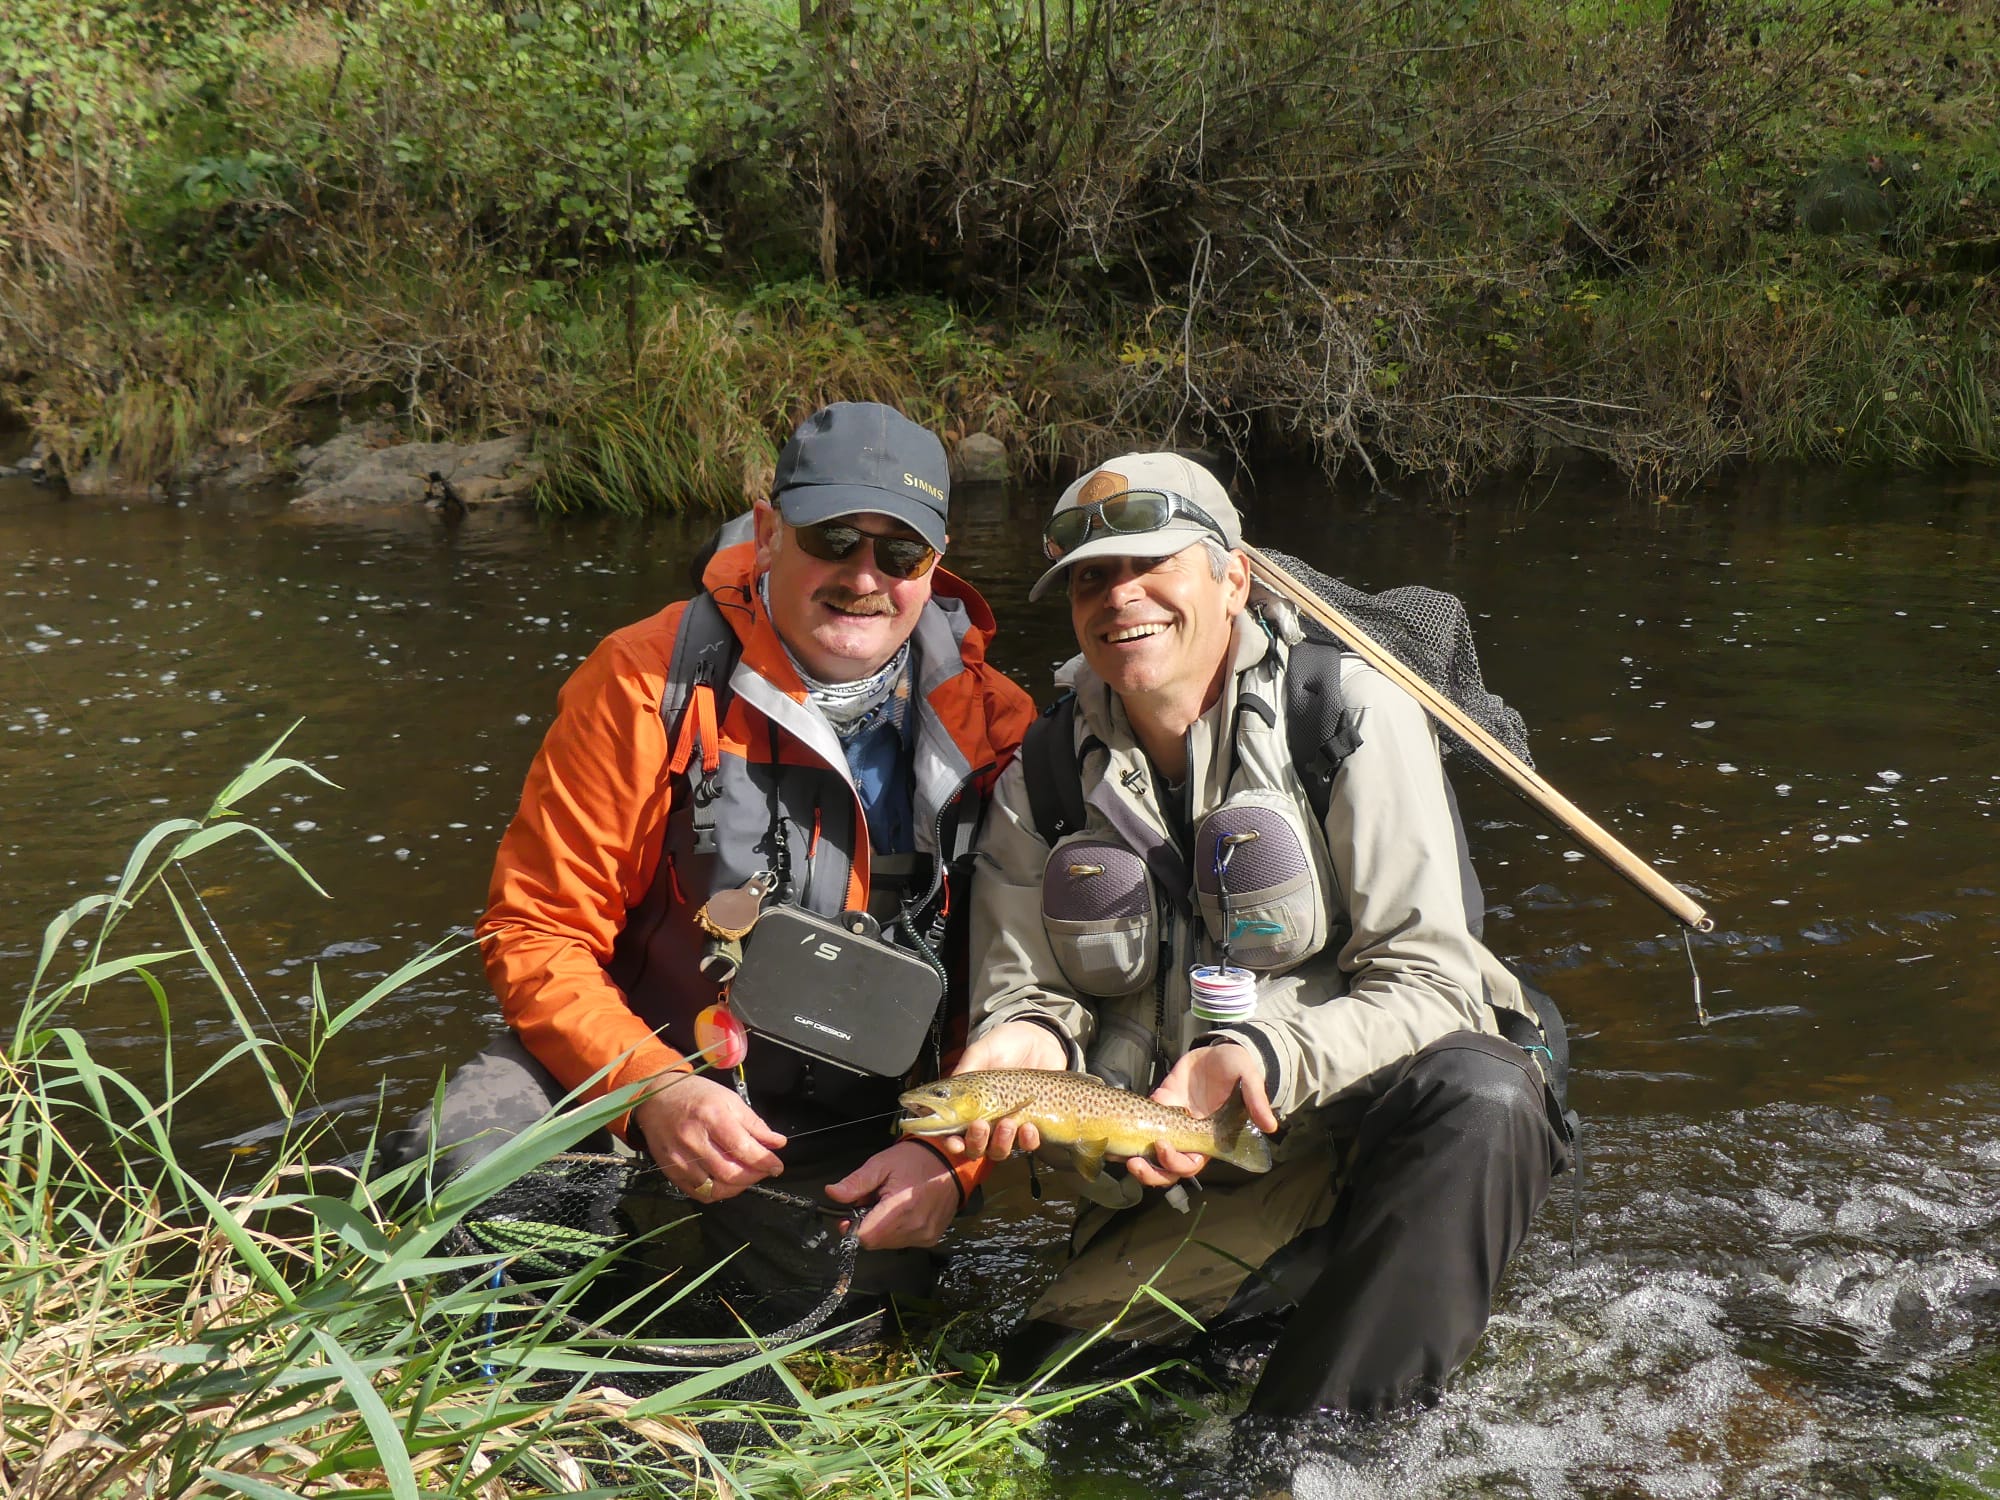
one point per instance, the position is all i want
(1789, 1302)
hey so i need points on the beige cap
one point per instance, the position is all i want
(1145, 471)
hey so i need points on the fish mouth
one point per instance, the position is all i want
(919, 1116)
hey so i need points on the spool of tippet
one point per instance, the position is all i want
(1222, 993)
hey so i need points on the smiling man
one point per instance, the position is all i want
(822, 712)
(1192, 920)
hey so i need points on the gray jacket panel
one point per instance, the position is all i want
(1402, 967)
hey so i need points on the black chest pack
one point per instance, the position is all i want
(831, 988)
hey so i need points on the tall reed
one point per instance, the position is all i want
(294, 1335)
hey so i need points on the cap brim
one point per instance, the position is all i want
(810, 503)
(1162, 543)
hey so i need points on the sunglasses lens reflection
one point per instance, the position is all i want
(1122, 514)
(899, 557)
(828, 543)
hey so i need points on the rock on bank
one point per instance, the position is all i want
(358, 469)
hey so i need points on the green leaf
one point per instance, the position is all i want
(1153, 1293)
(112, 968)
(248, 1485)
(239, 1238)
(52, 936)
(519, 1154)
(271, 1080)
(87, 1070)
(142, 853)
(438, 956)
(217, 833)
(389, 1448)
(348, 1223)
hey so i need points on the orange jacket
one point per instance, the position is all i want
(585, 845)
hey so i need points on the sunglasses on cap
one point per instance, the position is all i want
(1133, 513)
(903, 557)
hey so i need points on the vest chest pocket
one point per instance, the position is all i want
(1258, 883)
(1100, 916)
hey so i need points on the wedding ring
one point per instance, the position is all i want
(704, 1187)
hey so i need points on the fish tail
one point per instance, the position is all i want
(1237, 1141)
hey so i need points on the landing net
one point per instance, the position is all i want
(1429, 631)
(619, 1220)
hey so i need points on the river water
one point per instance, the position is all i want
(1781, 1273)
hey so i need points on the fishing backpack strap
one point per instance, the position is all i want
(1054, 771)
(1323, 733)
(1318, 727)
(1320, 730)
(692, 705)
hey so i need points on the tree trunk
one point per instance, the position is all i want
(1672, 135)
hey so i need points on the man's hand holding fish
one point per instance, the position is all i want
(1203, 1082)
(1095, 1121)
(1017, 1044)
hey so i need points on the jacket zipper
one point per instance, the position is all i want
(920, 941)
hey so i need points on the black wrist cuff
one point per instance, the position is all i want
(949, 1165)
(1256, 1042)
(1072, 1054)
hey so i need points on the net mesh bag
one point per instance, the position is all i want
(646, 1294)
(1428, 631)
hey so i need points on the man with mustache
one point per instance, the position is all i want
(1199, 923)
(823, 711)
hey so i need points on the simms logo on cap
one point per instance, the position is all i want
(925, 485)
(1102, 486)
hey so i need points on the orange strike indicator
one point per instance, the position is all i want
(721, 1037)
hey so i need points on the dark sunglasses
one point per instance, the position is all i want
(1131, 514)
(899, 556)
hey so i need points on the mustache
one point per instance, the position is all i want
(856, 604)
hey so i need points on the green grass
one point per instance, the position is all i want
(167, 1335)
(722, 377)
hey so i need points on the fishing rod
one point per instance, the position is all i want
(1516, 772)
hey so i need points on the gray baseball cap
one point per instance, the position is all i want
(856, 457)
(1166, 472)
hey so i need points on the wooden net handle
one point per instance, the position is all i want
(1521, 776)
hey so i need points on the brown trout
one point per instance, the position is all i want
(1092, 1119)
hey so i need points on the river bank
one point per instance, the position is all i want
(1437, 238)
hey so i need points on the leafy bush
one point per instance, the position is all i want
(1349, 230)
(566, 128)
(717, 385)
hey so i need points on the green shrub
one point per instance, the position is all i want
(1352, 231)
